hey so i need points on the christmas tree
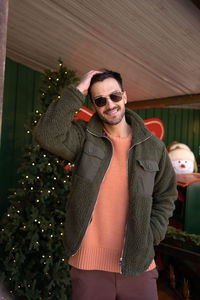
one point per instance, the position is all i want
(32, 258)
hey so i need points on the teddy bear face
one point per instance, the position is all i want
(183, 166)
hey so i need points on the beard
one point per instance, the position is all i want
(112, 120)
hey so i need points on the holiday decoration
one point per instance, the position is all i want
(183, 159)
(32, 258)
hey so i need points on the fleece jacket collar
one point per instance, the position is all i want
(140, 132)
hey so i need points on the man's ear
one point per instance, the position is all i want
(125, 97)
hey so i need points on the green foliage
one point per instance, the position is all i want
(184, 237)
(32, 258)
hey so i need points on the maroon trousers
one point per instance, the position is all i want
(101, 285)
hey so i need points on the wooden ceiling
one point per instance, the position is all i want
(154, 44)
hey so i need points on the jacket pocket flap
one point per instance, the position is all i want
(149, 165)
(93, 150)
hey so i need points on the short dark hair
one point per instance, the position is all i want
(102, 76)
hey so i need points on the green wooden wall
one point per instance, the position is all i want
(20, 100)
(181, 125)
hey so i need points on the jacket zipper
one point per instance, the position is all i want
(121, 259)
(98, 192)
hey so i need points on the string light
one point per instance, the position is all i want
(28, 131)
(26, 176)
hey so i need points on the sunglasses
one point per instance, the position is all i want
(115, 97)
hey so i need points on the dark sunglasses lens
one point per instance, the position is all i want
(115, 97)
(101, 101)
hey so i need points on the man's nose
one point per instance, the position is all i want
(110, 104)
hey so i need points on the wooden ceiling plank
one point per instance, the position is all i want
(164, 102)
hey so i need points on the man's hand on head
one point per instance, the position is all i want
(85, 81)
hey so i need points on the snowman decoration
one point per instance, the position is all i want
(182, 158)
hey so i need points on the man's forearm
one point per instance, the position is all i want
(54, 130)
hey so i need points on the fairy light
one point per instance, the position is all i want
(37, 111)
(37, 200)
(27, 176)
(33, 164)
(44, 155)
(54, 178)
(28, 131)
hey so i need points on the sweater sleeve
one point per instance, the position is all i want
(165, 193)
(56, 130)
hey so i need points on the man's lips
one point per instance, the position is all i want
(112, 112)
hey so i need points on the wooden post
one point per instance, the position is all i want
(3, 38)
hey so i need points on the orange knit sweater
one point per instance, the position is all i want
(101, 248)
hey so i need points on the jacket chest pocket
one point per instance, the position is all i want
(146, 172)
(90, 161)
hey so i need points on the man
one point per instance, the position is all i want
(122, 195)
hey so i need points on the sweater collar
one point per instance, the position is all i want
(139, 130)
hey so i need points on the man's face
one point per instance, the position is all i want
(113, 112)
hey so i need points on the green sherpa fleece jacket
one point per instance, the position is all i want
(151, 178)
